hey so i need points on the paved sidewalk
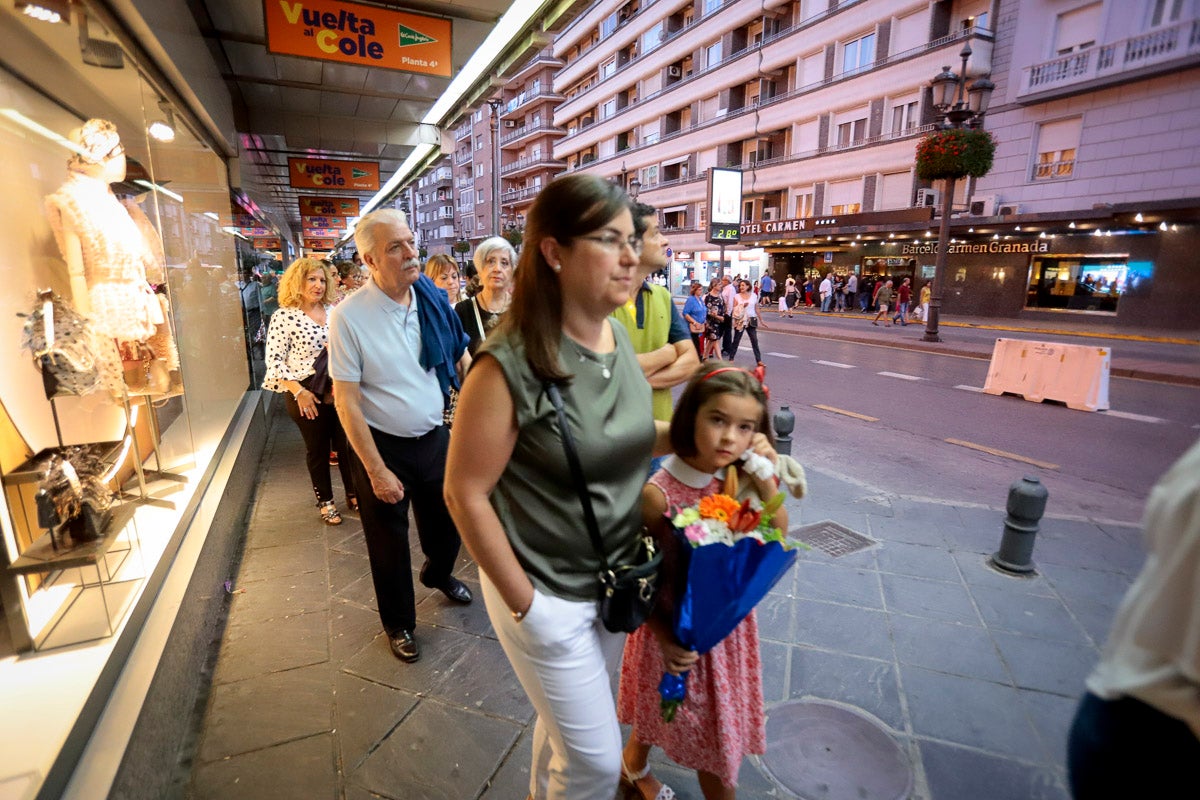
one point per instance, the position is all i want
(975, 674)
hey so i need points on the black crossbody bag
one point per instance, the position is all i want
(627, 592)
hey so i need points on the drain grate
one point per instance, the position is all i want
(831, 538)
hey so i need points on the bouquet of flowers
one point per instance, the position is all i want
(732, 556)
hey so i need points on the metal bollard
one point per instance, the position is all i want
(1026, 504)
(784, 422)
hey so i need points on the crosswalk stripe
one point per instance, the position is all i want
(966, 388)
(833, 364)
(1132, 416)
(900, 375)
(781, 355)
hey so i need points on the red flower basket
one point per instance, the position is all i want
(955, 153)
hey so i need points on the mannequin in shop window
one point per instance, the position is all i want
(107, 255)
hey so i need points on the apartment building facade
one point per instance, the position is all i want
(1091, 206)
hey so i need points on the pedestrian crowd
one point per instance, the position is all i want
(530, 418)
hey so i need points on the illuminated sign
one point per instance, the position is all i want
(266, 244)
(328, 206)
(319, 244)
(255, 232)
(323, 233)
(724, 205)
(353, 34)
(320, 173)
(323, 222)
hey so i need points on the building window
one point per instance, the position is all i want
(608, 68)
(712, 5)
(480, 197)
(654, 37)
(1077, 30)
(1057, 144)
(478, 114)
(608, 108)
(712, 55)
(904, 117)
(650, 176)
(846, 208)
(858, 54)
(1165, 12)
(479, 170)
(479, 142)
(851, 133)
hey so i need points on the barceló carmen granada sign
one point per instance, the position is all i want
(363, 35)
(320, 173)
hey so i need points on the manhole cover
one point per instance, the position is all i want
(831, 538)
(822, 751)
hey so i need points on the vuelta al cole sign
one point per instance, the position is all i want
(320, 173)
(355, 34)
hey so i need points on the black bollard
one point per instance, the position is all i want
(1026, 504)
(784, 422)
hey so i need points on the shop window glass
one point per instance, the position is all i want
(1080, 282)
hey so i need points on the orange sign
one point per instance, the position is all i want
(328, 207)
(266, 244)
(319, 244)
(320, 173)
(363, 35)
(323, 222)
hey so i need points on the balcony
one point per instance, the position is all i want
(543, 161)
(529, 130)
(1161, 50)
(464, 131)
(518, 195)
(534, 93)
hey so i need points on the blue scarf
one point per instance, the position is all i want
(443, 340)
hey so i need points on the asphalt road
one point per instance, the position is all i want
(1096, 465)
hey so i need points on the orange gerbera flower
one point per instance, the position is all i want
(718, 506)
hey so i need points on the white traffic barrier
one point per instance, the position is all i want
(1074, 374)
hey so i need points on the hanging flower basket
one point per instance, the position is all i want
(955, 153)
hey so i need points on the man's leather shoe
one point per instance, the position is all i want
(404, 646)
(456, 590)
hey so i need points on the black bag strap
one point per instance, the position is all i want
(589, 516)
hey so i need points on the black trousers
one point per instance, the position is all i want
(320, 436)
(1126, 748)
(727, 335)
(420, 464)
(752, 332)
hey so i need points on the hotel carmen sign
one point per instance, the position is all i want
(777, 228)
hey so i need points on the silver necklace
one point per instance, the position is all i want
(586, 357)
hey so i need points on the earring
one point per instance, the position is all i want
(556, 267)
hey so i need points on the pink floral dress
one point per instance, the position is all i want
(722, 718)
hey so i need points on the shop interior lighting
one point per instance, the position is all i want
(1072, 225)
(1162, 226)
(25, 122)
(46, 10)
(163, 130)
(160, 189)
(1138, 217)
(1018, 227)
(971, 229)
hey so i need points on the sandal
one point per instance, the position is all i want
(352, 502)
(329, 514)
(629, 782)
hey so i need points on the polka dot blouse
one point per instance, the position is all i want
(294, 341)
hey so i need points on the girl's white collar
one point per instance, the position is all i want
(687, 474)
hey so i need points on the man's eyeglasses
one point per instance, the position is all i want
(119, 150)
(613, 241)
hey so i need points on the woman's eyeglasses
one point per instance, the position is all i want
(613, 241)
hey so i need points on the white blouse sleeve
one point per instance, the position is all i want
(293, 343)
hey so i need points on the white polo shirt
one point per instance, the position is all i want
(376, 342)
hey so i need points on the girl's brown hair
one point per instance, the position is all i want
(569, 206)
(291, 285)
(710, 380)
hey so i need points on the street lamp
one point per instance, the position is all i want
(635, 186)
(495, 104)
(956, 107)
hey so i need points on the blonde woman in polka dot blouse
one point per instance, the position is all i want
(299, 332)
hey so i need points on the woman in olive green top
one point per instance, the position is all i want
(510, 491)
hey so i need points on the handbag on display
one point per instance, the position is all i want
(72, 496)
(627, 592)
(63, 348)
(144, 374)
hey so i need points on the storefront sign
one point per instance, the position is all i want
(319, 173)
(266, 244)
(725, 205)
(323, 233)
(319, 244)
(323, 222)
(255, 232)
(767, 229)
(363, 35)
(241, 220)
(927, 248)
(325, 206)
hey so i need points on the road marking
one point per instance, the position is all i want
(833, 364)
(781, 355)
(966, 388)
(1132, 416)
(900, 375)
(846, 413)
(1002, 453)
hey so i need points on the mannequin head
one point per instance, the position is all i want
(100, 154)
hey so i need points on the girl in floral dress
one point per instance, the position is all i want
(721, 414)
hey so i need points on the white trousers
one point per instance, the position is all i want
(563, 656)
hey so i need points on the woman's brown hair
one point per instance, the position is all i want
(708, 381)
(569, 206)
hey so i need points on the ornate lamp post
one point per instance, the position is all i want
(952, 156)
(635, 186)
(495, 104)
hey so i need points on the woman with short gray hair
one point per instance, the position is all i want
(494, 262)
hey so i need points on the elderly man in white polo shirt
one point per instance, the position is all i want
(396, 348)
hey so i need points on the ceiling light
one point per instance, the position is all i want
(46, 10)
(161, 131)
(1018, 227)
(1042, 235)
(1072, 225)
(1162, 226)
(891, 235)
(970, 230)
(995, 236)
(1138, 217)
(928, 234)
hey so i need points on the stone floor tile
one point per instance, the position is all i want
(280, 596)
(1080, 586)
(918, 561)
(286, 559)
(267, 710)
(440, 752)
(274, 531)
(364, 713)
(843, 628)
(440, 649)
(867, 683)
(950, 647)
(976, 572)
(345, 569)
(917, 597)
(482, 680)
(258, 648)
(974, 713)
(304, 768)
(361, 592)
(436, 609)
(906, 529)
(511, 781)
(776, 619)
(1047, 666)
(835, 583)
(352, 630)
(1052, 716)
(774, 657)
(957, 773)
(1041, 617)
